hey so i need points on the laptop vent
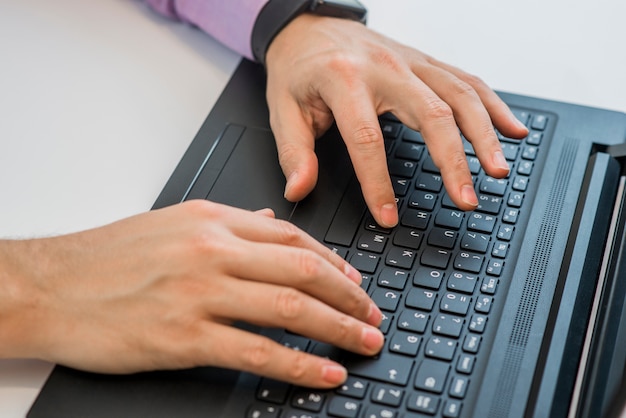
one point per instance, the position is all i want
(533, 284)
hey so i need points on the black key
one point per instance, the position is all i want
(505, 232)
(478, 323)
(510, 215)
(534, 138)
(385, 323)
(402, 168)
(525, 168)
(390, 129)
(515, 199)
(489, 204)
(413, 321)
(474, 241)
(400, 186)
(489, 285)
(421, 299)
(409, 151)
(386, 299)
(403, 343)
(390, 368)
(431, 376)
(448, 218)
(372, 241)
(343, 407)
(448, 325)
(424, 403)
(522, 115)
(292, 413)
(400, 257)
(440, 348)
(520, 183)
(410, 238)
(428, 278)
(481, 222)
(471, 344)
(422, 200)
(414, 218)
(510, 151)
(500, 249)
(387, 395)
(353, 387)
(539, 122)
(295, 342)
(444, 238)
(377, 411)
(468, 262)
(483, 304)
(434, 257)
(494, 268)
(309, 400)
(455, 303)
(429, 182)
(529, 152)
(364, 262)
(462, 282)
(465, 363)
(371, 225)
(452, 409)
(493, 186)
(259, 410)
(474, 165)
(429, 166)
(412, 136)
(348, 216)
(458, 387)
(271, 390)
(393, 278)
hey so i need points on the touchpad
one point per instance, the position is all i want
(243, 171)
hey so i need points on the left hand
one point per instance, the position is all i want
(323, 69)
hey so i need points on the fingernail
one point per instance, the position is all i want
(389, 215)
(291, 180)
(372, 339)
(352, 273)
(469, 196)
(499, 161)
(334, 374)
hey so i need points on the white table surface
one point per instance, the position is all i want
(99, 99)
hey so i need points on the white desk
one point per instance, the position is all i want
(99, 100)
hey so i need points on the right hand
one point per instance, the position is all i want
(160, 290)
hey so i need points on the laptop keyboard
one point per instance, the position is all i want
(439, 277)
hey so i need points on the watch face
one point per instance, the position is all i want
(351, 9)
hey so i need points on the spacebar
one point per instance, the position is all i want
(348, 216)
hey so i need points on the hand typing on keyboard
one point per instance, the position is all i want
(322, 70)
(161, 289)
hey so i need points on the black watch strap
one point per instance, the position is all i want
(276, 14)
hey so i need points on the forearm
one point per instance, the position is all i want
(230, 22)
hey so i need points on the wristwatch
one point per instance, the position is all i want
(276, 14)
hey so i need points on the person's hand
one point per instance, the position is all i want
(321, 69)
(160, 291)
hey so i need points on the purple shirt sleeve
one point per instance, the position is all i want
(229, 21)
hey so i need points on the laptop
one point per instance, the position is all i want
(515, 309)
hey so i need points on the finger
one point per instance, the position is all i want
(241, 350)
(276, 306)
(357, 120)
(257, 228)
(470, 115)
(306, 272)
(420, 108)
(295, 140)
(502, 117)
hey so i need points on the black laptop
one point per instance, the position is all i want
(513, 310)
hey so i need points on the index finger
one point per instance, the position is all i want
(357, 120)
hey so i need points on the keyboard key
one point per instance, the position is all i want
(515, 199)
(400, 257)
(309, 400)
(462, 282)
(414, 218)
(429, 278)
(259, 410)
(421, 299)
(455, 303)
(429, 182)
(468, 262)
(423, 200)
(458, 387)
(403, 343)
(465, 363)
(431, 375)
(372, 241)
(478, 323)
(400, 186)
(539, 122)
(489, 285)
(534, 138)
(343, 407)
(413, 321)
(389, 368)
(471, 343)
(493, 186)
(489, 204)
(481, 222)
(386, 299)
(412, 136)
(364, 262)
(297, 414)
(376, 411)
(409, 151)
(273, 391)
(410, 238)
(353, 387)
(433, 257)
(452, 409)
(448, 325)
(402, 168)
(390, 129)
(443, 238)
(525, 168)
(448, 218)
(510, 151)
(387, 395)
(476, 242)
(483, 304)
(393, 278)
(440, 348)
(424, 403)
(510, 216)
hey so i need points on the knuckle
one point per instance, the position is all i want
(289, 233)
(438, 110)
(367, 135)
(289, 304)
(474, 81)
(343, 328)
(298, 366)
(461, 88)
(258, 355)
